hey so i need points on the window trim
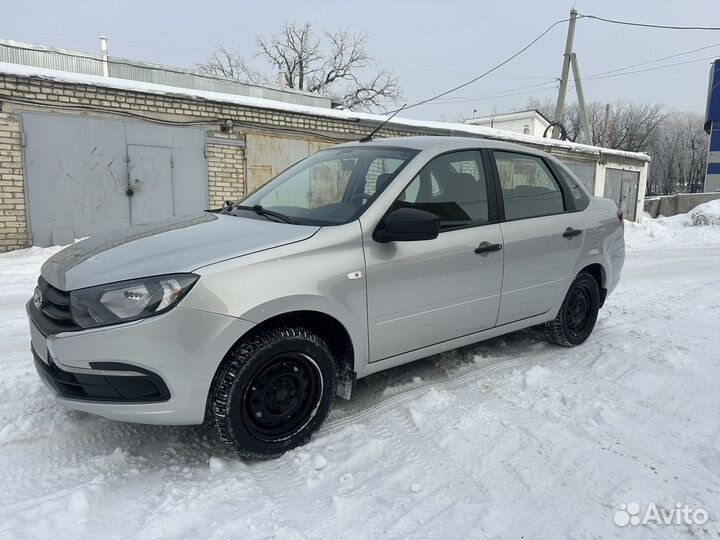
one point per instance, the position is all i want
(568, 202)
(482, 159)
(560, 175)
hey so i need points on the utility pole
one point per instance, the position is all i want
(560, 106)
(581, 98)
(605, 125)
(570, 60)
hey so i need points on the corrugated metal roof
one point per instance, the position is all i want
(27, 54)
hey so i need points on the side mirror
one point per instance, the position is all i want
(407, 225)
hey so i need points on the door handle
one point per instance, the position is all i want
(486, 248)
(570, 232)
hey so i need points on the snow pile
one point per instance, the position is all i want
(512, 437)
(706, 214)
(676, 231)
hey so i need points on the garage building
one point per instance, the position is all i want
(90, 144)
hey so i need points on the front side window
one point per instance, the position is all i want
(528, 187)
(453, 187)
(332, 186)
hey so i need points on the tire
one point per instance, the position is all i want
(273, 392)
(577, 316)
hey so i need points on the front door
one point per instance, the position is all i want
(541, 241)
(426, 292)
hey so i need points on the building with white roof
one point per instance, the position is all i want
(530, 122)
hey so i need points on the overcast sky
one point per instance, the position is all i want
(431, 46)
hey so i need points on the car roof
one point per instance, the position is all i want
(441, 143)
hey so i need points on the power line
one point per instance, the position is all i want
(646, 25)
(526, 92)
(489, 71)
(603, 75)
(541, 87)
(486, 95)
(658, 60)
(465, 72)
(609, 75)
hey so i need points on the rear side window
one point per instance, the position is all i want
(453, 187)
(528, 187)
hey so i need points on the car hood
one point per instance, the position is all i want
(179, 244)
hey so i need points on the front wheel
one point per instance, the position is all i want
(273, 391)
(578, 313)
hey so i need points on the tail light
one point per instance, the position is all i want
(621, 218)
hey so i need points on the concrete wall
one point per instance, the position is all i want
(680, 203)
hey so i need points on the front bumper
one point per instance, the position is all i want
(153, 371)
(121, 384)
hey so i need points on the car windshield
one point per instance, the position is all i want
(331, 187)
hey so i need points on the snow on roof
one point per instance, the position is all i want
(453, 128)
(515, 115)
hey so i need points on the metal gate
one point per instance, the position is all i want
(585, 172)
(85, 176)
(622, 187)
(269, 155)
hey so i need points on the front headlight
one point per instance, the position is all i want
(126, 301)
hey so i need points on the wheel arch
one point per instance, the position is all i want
(598, 272)
(328, 327)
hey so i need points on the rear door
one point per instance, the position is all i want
(426, 292)
(542, 235)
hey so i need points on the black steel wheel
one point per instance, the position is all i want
(578, 313)
(282, 395)
(272, 392)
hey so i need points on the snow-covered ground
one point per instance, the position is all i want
(512, 437)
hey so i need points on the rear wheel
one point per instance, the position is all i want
(273, 391)
(578, 313)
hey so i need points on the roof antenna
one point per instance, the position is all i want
(368, 138)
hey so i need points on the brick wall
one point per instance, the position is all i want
(226, 161)
(13, 223)
(226, 173)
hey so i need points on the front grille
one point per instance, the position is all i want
(54, 314)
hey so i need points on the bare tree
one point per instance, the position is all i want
(225, 63)
(676, 141)
(679, 154)
(632, 126)
(338, 66)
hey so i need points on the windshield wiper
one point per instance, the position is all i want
(260, 211)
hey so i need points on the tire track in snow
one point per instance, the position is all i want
(409, 395)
